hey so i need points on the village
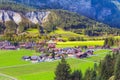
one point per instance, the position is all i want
(49, 52)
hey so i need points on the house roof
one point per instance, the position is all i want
(10, 47)
(34, 57)
(51, 41)
(26, 57)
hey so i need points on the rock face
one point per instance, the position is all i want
(37, 17)
(107, 11)
(34, 17)
(10, 15)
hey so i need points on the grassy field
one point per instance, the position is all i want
(4, 78)
(32, 32)
(13, 65)
(117, 37)
(80, 43)
(65, 34)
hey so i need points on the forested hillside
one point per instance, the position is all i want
(17, 19)
(106, 11)
(15, 6)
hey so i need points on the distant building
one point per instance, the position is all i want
(51, 44)
(7, 45)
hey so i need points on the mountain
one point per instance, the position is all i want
(15, 18)
(34, 17)
(106, 11)
(13, 22)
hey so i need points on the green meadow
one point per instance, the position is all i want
(11, 64)
(66, 35)
(80, 43)
(63, 33)
(4, 78)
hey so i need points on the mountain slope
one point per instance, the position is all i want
(12, 22)
(107, 11)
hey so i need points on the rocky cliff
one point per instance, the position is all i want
(12, 22)
(107, 11)
(34, 17)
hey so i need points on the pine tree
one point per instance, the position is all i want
(76, 75)
(107, 68)
(62, 71)
(93, 75)
(117, 69)
(87, 74)
(90, 74)
(109, 41)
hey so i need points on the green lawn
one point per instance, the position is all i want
(13, 65)
(10, 58)
(65, 34)
(80, 43)
(4, 78)
(32, 31)
(117, 37)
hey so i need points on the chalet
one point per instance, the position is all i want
(26, 58)
(59, 40)
(84, 55)
(11, 47)
(51, 44)
(34, 59)
(58, 56)
(27, 45)
(79, 54)
(114, 50)
(90, 52)
(106, 47)
(22, 45)
(91, 47)
(7, 45)
(42, 49)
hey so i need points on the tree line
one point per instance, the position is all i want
(107, 69)
(110, 41)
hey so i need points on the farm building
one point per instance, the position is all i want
(51, 44)
(7, 45)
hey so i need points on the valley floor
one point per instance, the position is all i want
(13, 65)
